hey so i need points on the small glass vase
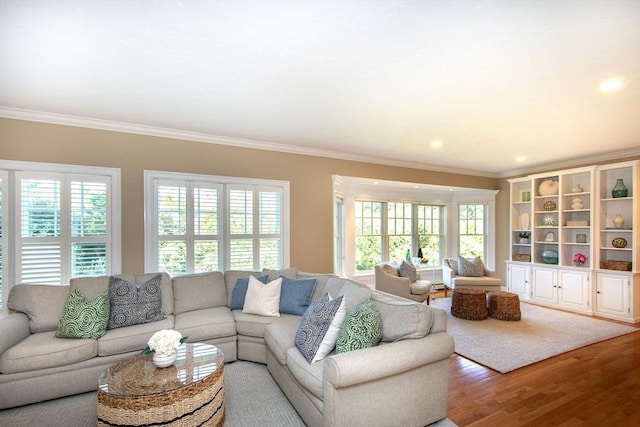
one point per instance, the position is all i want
(164, 360)
(619, 190)
(578, 263)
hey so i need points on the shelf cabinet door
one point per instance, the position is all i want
(518, 280)
(545, 285)
(612, 294)
(574, 288)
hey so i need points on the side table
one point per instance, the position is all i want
(135, 392)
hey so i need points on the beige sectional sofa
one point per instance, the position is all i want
(401, 381)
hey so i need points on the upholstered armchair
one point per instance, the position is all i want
(480, 278)
(389, 280)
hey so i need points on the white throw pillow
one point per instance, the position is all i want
(331, 337)
(261, 299)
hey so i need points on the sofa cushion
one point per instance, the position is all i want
(280, 336)
(473, 267)
(274, 274)
(239, 292)
(41, 303)
(253, 325)
(295, 295)
(308, 375)
(361, 329)
(401, 318)
(263, 299)
(354, 293)
(198, 291)
(132, 304)
(131, 338)
(82, 317)
(321, 281)
(42, 350)
(93, 286)
(407, 270)
(319, 327)
(206, 324)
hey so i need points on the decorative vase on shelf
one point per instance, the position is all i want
(550, 256)
(618, 221)
(164, 360)
(577, 189)
(619, 190)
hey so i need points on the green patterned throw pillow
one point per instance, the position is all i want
(82, 317)
(361, 329)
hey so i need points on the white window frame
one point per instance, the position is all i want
(225, 183)
(10, 169)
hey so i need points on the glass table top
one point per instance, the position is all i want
(138, 376)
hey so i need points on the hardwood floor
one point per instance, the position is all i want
(597, 385)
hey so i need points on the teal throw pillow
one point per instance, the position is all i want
(361, 329)
(82, 317)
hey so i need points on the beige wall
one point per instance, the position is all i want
(309, 177)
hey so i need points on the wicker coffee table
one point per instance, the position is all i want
(135, 392)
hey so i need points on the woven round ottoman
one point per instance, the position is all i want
(469, 304)
(504, 305)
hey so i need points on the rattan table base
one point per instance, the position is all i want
(198, 403)
(504, 305)
(469, 304)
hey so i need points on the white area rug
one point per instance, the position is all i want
(541, 333)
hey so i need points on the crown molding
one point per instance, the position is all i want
(86, 122)
(91, 123)
(574, 162)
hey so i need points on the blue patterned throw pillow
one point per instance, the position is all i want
(239, 292)
(132, 304)
(319, 327)
(82, 317)
(361, 329)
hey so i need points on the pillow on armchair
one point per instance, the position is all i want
(408, 270)
(473, 267)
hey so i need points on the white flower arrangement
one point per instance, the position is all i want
(164, 342)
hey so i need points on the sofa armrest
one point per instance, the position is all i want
(13, 329)
(386, 360)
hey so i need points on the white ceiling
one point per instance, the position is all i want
(373, 80)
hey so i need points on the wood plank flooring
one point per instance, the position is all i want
(597, 385)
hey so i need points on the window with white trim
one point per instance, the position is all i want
(472, 230)
(197, 223)
(65, 221)
(409, 228)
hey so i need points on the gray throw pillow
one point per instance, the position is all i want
(132, 304)
(408, 270)
(470, 268)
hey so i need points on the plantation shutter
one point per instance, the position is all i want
(63, 227)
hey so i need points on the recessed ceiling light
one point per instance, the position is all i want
(520, 159)
(436, 144)
(611, 85)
